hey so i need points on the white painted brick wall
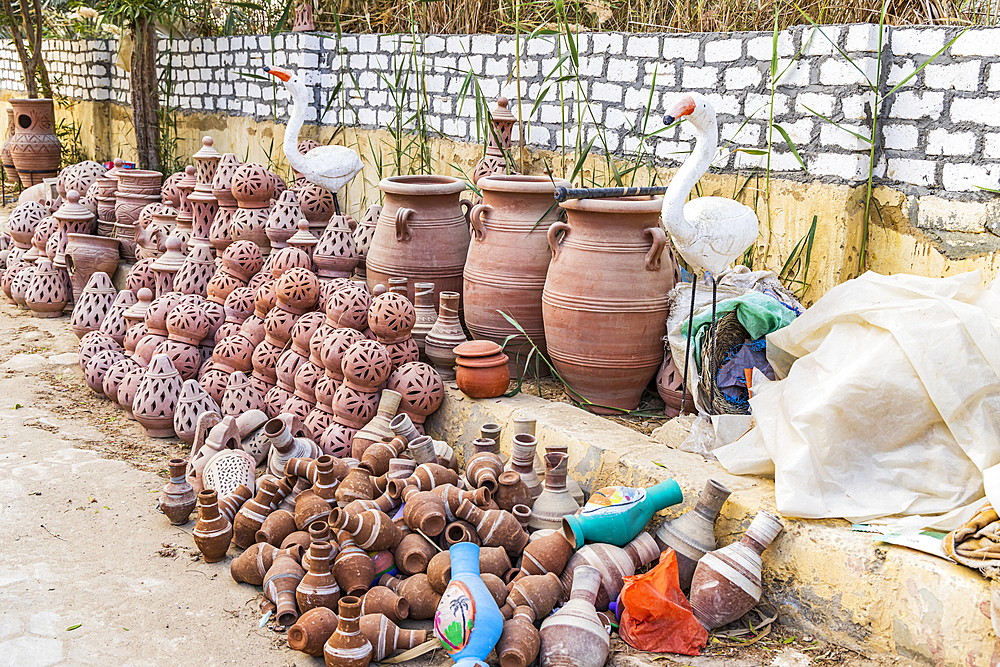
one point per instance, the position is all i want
(961, 76)
(914, 172)
(943, 142)
(900, 137)
(724, 50)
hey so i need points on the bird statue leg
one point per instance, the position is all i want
(711, 362)
(336, 204)
(687, 345)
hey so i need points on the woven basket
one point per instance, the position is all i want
(728, 333)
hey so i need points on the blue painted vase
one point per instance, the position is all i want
(467, 622)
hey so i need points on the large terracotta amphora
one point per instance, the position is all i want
(422, 233)
(605, 299)
(507, 263)
(35, 148)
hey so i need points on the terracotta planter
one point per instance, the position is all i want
(9, 170)
(422, 233)
(605, 299)
(507, 262)
(46, 293)
(481, 369)
(86, 255)
(35, 149)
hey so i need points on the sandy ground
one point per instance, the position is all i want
(92, 574)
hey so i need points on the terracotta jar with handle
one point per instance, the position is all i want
(605, 299)
(422, 233)
(35, 148)
(507, 262)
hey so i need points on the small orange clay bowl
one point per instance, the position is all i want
(481, 369)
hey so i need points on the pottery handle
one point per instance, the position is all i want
(659, 243)
(476, 221)
(554, 230)
(402, 228)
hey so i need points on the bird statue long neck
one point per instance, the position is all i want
(684, 180)
(296, 117)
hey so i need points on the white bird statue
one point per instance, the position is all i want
(710, 233)
(331, 167)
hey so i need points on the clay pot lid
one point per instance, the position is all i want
(243, 259)
(188, 323)
(173, 259)
(477, 348)
(207, 150)
(72, 209)
(303, 238)
(139, 308)
(165, 214)
(116, 169)
(189, 181)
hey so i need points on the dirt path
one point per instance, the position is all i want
(92, 574)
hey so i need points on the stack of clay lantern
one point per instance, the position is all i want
(202, 201)
(253, 187)
(136, 188)
(222, 184)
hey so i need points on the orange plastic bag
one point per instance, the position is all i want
(656, 616)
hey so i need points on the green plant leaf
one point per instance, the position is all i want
(838, 125)
(791, 146)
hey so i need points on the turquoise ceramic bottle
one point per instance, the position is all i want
(616, 514)
(467, 622)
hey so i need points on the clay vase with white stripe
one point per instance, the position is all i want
(613, 563)
(726, 583)
(692, 535)
(252, 515)
(311, 631)
(213, 531)
(318, 587)
(178, 499)
(575, 635)
(373, 530)
(386, 637)
(347, 647)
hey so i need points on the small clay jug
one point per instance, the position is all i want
(377, 455)
(308, 508)
(312, 630)
(519, 641)
(347, 647)
(496, 528)
(318, 587)
(353, 568)
(541, 592)
(280, 583)
(453, 497)
(511, 491)
(424, 478)
(459, 531)
(278, 525)
(251, 565)
(413, 554)
(522, 459)
(692, 535)
(575, 635)
(614, 564)
(372, 529)
(555, 501)
(423, 511)
(546, 554)
(178, 499)
(726, 583)
(481, 369)
(496, 586)
(444, 336)
(417, 591)
(357, 485)
(213, 532)
(386, 637)
(252, 515)
(382, 600)
(483, 469)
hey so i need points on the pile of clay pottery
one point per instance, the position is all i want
(136, 189)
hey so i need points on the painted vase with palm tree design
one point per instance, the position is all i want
(467, 622)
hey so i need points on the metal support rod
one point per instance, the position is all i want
(336, 204)
(712, 366)
(687, 345)
(563, 193)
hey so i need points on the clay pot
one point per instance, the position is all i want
(47, 293)
(692, 535)
(511, 491)
(312, 631)
(240, 396)
(453, 497)
(571, 484)
(424, 478)
(386, 637)
(382, 600)
(213, 531)
(444, 336)
(347, 647)
(86, 255)
(197, 270)
(541, 592)
(413, 553)
(93, 304)
(284, 446)
(10, 171)
(156, 398)
(357, 485)
(253, 188)
(278, 525)
(178, 499)
(318, 587)
(613, 563)
(372, 529)
(193, 401)
(377, 430)
(252, 515)
(507, 262)
(417, 591)
(575, 635)
(308, 508)
(251, 565)
(425, 314)
(555, 501)
(496, 528)
(422, 233)
(459, 531)
(546, 554)
(519, 641)
(726, 583)
(298, 538)
(522, 457)
(353, 568)
(280, 582)
(364, 233)
(377, 457)
(610, 260)
(482, 471)
(423, 511)
(229, 505)
(335, 255)
(35, 149)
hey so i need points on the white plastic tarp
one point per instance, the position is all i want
(892, 405)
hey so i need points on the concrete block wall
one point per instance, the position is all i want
(939, 134)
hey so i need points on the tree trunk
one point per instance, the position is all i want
(145, 95)
(27, 61)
